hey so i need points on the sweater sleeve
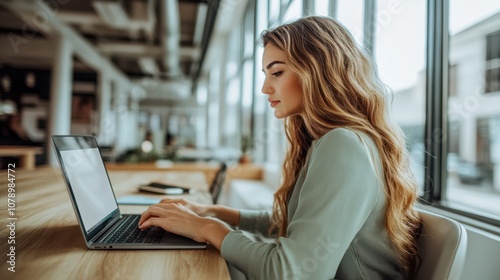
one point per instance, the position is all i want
(338, 194)
(255, 221)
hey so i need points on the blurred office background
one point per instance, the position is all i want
(185, 75)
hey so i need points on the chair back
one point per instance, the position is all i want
(442, 248)
(218, 183)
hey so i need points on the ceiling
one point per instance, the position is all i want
(166, 39)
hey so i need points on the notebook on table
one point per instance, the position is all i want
(95, 205)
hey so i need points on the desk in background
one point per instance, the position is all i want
(238, 171)
(26, 153)
(50, 245)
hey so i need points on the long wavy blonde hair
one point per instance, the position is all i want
(342, 89)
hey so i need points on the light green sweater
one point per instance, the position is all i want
(335, 219)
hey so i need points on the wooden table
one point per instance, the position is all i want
(49, 243)
(239, 171)
(27, 154)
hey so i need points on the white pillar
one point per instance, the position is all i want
(127, 111)
(135, 138)
(107, 128)
(60, 94)
(120, 109)
(201, 116)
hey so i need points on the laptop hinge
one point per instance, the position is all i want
(105, 230)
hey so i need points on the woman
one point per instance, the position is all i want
(345, 206)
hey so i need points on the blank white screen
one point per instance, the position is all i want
(90, 185)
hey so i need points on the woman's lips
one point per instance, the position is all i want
(274, 103)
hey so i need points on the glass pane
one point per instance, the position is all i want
(233, 55)
(493, 63)
(294, 11)
(473, 111)
(274, 11)
(262, 20)
(248, 37)
(350, 13)
(213, 107)
(321, 7)
(259, 110)
(400, 57)
(231, 118)
(247, 93)
(259, 100)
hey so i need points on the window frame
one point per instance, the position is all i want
(436, 124)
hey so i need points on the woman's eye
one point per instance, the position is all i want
(276, 74)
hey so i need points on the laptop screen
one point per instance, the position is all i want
(90, 185)
(87, 181)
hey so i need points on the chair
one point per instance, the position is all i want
(218, 183)
(442, 247)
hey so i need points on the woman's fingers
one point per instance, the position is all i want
(153, 211)
(173, 200)
(151, 222)
(165, 211)
(197, 208)
(173, 217)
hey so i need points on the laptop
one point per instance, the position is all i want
(95, 205)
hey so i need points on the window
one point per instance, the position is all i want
(274, 11)
(247, 78)
(350, 13)
(246, 101)
(232, 129)
(493, 63)
(260, 101)
(401, 65)
(231, 113)
(294, 11)
(213, 106)
(322, 7)
(473, 158)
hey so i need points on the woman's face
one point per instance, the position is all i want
(281, 85)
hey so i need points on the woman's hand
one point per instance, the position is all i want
(199, 209)
(179, 219)
(174, 217)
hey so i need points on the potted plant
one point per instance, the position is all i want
(246, 146)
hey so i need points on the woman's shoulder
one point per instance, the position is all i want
(352, 142)
(342, 136)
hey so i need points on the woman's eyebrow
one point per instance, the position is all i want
(272, 63)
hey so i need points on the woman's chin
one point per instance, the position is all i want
(279, 115)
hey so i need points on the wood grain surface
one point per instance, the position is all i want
(49, 243)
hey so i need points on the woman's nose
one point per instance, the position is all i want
(266, 88)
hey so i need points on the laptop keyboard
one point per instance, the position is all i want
(128, 232)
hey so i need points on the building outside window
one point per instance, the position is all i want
(473, 168)
(493, 63)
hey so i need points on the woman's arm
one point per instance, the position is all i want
(224, 213)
